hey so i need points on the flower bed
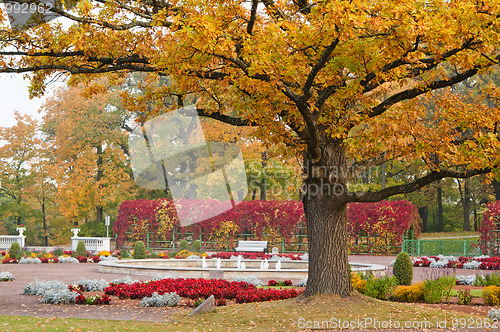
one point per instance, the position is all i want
(482, 262)
(241, 292)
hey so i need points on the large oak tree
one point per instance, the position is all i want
(339, 81)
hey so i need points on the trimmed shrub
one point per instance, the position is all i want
(80, 249)
(413, 293)
(183, 245)
(124, 253)
(381, 288)
(15, 250)
(358, 284)
(140, 250)
(491, 295)
(403, 269)
(196, 246)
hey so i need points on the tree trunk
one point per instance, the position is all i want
(44, 221)
(263, 180)
(466, 205)
(326, 216)
(475, 220)
(440, 207)
(465, 201)
(424, 215)
(254, 194)
(100, 172)
(496, 187)
(99, 213)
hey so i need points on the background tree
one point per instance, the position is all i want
(340, 81)
(19, 150)
(90, 162)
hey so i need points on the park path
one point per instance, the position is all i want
(12, 303)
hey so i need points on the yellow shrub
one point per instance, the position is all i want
(33, 255)
(184, 254)
(104, 253)
(7, 256)
(491, 295)
(358, 284)
(223, 234)
(413, 293)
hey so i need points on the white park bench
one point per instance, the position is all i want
(252, 246)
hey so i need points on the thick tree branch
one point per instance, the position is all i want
(430, 63)
(253, 17)
(325, 56)
(413, 186)
(415, 92)
(238, 122)
(274, 11)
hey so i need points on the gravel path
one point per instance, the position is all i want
(14, 304)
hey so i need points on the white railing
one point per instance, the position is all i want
(7, 240)
(95, 244)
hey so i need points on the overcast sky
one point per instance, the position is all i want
(14, 96)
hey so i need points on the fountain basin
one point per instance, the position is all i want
(190, 268)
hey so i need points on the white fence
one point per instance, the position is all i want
(95, 244)
(7, 240)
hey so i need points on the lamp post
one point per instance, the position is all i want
(106, 222)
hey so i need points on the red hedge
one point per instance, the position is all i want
(490, 217)
(253, 216)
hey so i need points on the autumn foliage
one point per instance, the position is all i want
(491, 222)
(386, 220)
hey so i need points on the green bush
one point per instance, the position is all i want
(183, 245)
(196, 246)
(80, 249)
(140, 250)
(124, 253)
(487, 280)
(403, 269)
(381, 288)
(58, 252)
(464, 296)
(437, 289)
(433, 291)
(15, 250)
(153, 254)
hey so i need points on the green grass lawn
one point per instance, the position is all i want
(448, 234)
(473, 292)
(288, 315)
